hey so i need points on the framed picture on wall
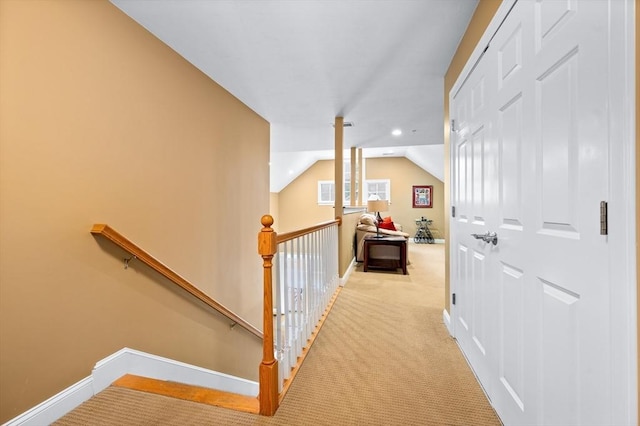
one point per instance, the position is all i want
(422, 196)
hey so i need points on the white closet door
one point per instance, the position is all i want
(530, 163)
(474, 195)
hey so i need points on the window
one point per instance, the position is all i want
(326, 192)
(327, 188)
(375, 187)
(347, 183)
(378, 187)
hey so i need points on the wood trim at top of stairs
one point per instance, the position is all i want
(214, 397)
(192, 393)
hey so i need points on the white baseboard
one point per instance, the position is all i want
(55, 407)
(129, 361)
(350, 269)
(447, 321)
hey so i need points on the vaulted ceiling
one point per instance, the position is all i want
(380, 64)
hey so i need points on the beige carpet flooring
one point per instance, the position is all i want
(383, 357)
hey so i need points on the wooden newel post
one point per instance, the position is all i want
(269, 367)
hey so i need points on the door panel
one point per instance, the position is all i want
(510, 133)
(472, 164)
(477, 179)
(479, 302)
(556, 100)
(462, 166)
(510, 57)
(550, 17)
(511, 340)
(560, 364)
(571, 263)
(463, 291)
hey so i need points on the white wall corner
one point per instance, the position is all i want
(347, 274)
(447, 321)
(131, 361)
(109, 369)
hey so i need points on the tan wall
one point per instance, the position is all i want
(480, 20)
(274, 209)
(100, 122)
(403, 174)
(346, 233)
(298, 202)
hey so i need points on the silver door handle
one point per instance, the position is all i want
(489, 237)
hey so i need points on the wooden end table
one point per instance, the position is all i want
(369, 262)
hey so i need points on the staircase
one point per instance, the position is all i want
(383, 356)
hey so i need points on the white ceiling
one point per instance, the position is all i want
(300, 63)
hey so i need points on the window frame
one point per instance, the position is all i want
(386, 182)
(333, 192)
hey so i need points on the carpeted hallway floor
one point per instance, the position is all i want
(383, 357)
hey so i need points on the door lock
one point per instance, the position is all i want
(489, 237)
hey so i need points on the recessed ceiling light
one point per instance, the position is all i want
(396, 132)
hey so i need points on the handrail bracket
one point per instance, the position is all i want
(126, 261)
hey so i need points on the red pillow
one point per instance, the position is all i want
(387, 219)
(387, 225)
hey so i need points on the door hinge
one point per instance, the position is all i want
(453, 125)
(604, 226)
(453, 211)
(453, 298)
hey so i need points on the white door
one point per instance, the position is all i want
(530, 157)
(474, 314)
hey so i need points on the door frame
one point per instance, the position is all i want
(622, 203)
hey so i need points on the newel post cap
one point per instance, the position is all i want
(267, 237)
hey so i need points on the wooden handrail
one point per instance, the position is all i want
(300, 232)
(113, 236)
